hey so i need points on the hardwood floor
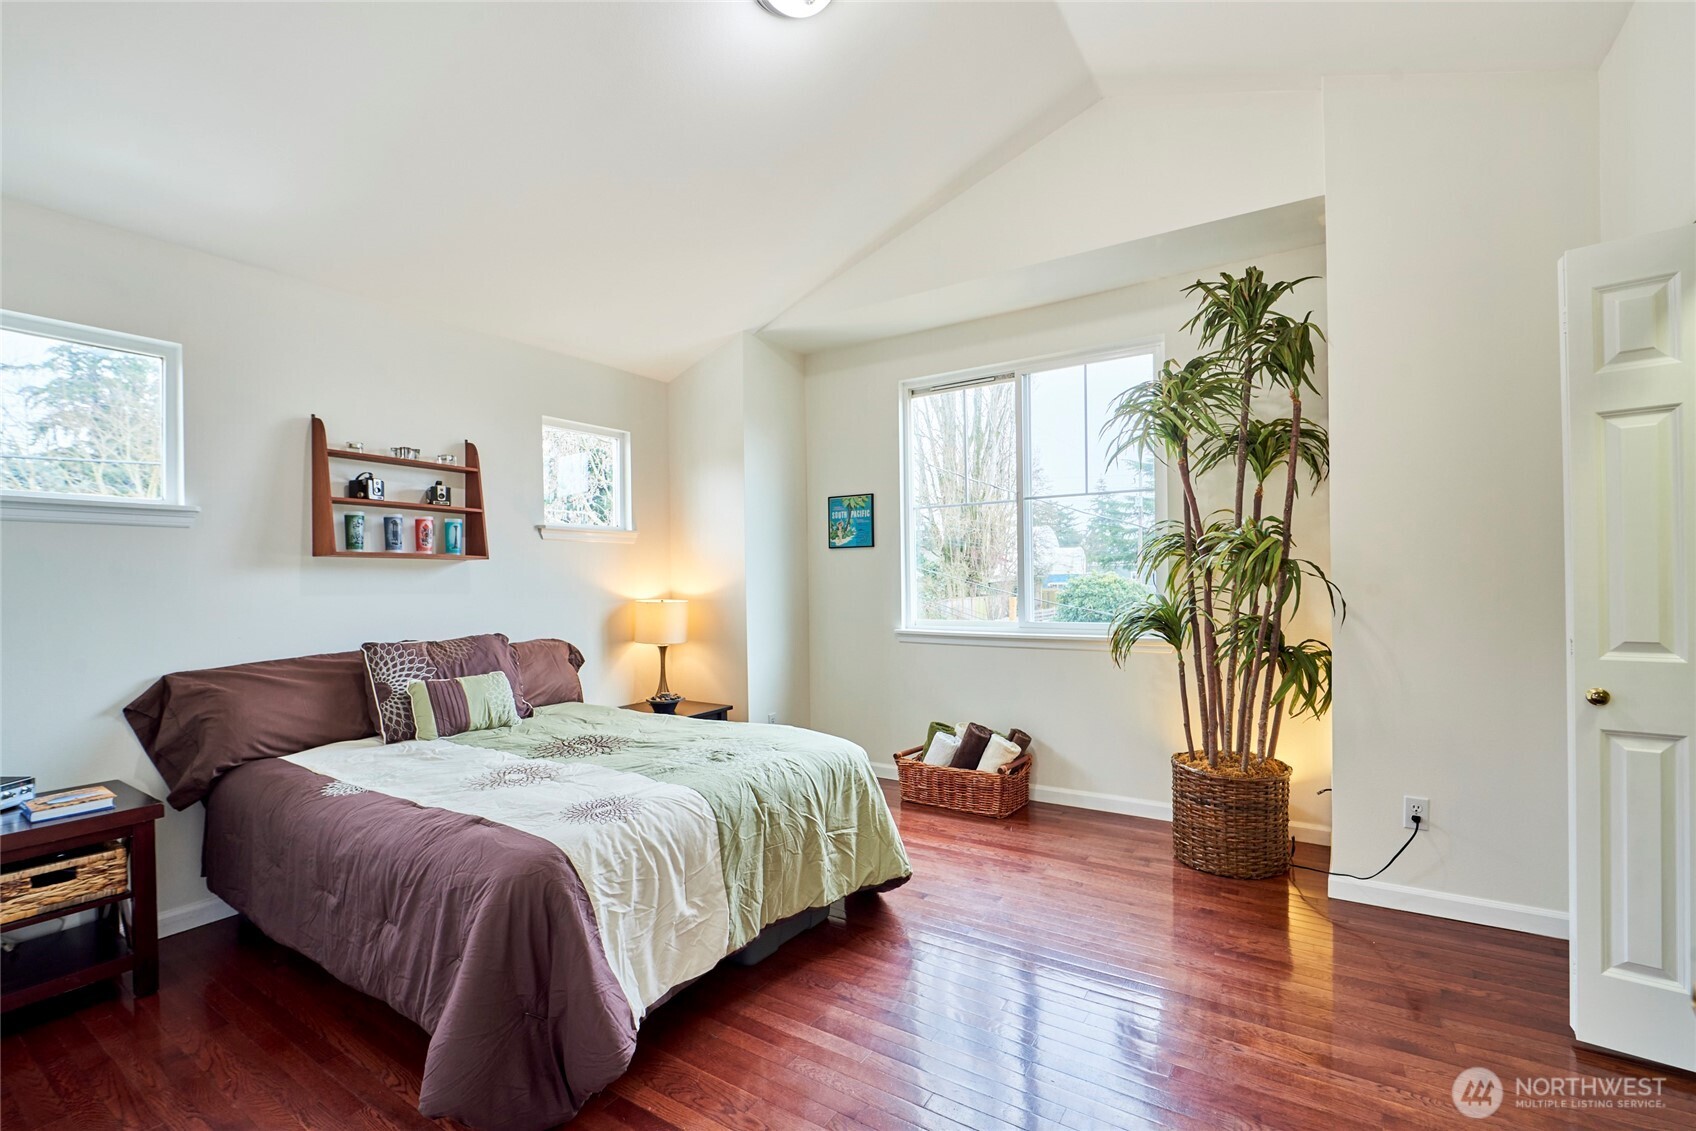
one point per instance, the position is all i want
(1053, 970)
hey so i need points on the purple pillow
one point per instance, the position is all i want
(389, 668)
(197, 725)
(549, 668)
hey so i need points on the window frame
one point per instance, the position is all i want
(172, 507)
(1021, 633)
(625, 531)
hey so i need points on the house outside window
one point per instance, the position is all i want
(1017, 518)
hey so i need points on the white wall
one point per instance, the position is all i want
(1449, 200)
(1103, 735)
(90, 615)
(776, 499)
(738, 507)
(1647, 89)
(708, 530)
(1111, 175)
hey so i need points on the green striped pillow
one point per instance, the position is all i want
(441, 707)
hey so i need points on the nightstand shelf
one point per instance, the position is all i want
(60, 961)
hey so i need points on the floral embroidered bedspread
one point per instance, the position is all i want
(689, 836)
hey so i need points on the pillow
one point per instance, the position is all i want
(196, 725)
(1000, 752)
(441, 707)
(549, 669)
(391, 668)
(934, 728)
(974, 740)
(941, 750)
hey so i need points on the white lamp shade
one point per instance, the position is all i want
(662, 622)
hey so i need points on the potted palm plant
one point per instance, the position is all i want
(1226, 583)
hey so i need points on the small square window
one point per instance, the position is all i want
(585, 481)
(90, 424)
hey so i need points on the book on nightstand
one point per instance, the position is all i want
(70, 803)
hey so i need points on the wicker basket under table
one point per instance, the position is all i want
(988, 793)
(64, 881)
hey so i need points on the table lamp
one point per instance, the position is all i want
(663, 622)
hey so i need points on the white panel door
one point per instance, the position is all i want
(1629, 312)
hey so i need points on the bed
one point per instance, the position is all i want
(528, 894)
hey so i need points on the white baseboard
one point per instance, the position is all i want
(1446, 905)
(1304, 831)
(192, 915)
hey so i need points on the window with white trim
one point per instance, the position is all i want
(585, 480)
(89, 419)
(1017, 518)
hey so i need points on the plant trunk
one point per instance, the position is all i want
(1242, 434)
(1251, 680)
(1184, 698)
(1192, 522)
(1251, 676)
(1209, 623)
(1229, 703)
(1276, 617)
(1277, 721)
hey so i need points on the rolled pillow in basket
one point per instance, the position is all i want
(974, 740)
(941, 749)
(1000, 752)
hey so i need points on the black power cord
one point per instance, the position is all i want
(1351, 875)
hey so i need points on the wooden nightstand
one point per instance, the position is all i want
(688, 708)
(51, 964)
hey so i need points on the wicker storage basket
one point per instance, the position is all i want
(988, 793)
(64, 881)
(1237, 827)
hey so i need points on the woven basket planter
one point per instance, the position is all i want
(1228, 826)
(64, 881)
(988, 793)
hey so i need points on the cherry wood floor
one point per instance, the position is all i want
(1052, 970)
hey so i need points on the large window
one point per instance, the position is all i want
(1017, 518)
(88, 418)
(585, 481)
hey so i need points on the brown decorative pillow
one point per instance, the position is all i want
(550, 668)
(390, 668)
(197, 725)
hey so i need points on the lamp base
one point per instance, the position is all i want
(663, 694)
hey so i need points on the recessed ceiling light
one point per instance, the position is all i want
(794, 9)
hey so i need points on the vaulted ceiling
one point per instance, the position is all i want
(626, 182)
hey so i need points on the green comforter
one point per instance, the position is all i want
(801, 820)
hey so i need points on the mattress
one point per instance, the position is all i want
(527, 894)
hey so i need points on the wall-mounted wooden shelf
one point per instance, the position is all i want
(396, 505)
(396, 461)
(405, 554)
(324, 501)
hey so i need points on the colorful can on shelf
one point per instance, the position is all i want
(391, 533)
(354, 524)
(424, 535)
(453, 536)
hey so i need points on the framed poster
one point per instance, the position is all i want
(849, 522)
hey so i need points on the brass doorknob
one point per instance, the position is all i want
(1597, 697)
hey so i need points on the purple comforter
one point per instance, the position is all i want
(478, 932)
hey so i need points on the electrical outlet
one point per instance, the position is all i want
(771, 716)
(1416, 807)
